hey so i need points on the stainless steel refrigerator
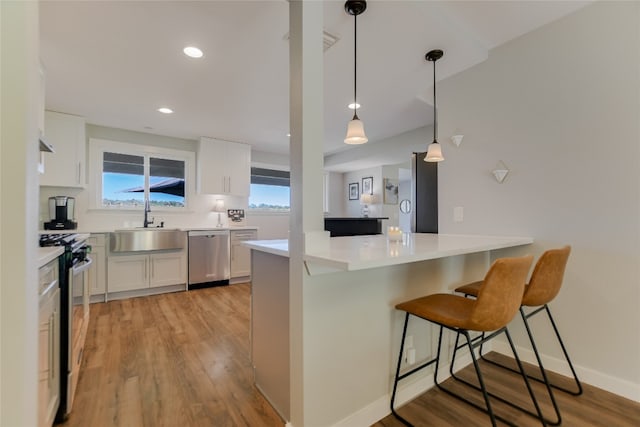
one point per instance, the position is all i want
(424, 194)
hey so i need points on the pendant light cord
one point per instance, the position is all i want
(435, 110)
(355, 65)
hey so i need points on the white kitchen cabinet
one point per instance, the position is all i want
(240, 254)
(127, 272)
(223, 167)
(66, 167)
(167, 269)
(48, 345)
(134, 272)
(98, 274)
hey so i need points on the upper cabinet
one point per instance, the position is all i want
(66, 167)
(223, 167)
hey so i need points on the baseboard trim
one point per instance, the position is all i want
(379, 409)
(614, 385)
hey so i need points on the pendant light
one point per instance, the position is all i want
(355, 129)
(434, 152)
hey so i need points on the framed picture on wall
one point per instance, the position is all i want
(354, 191)
(367, 185)
(390, 193)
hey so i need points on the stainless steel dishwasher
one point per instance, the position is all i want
(208, 258)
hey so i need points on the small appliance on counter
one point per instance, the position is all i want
(61, 213)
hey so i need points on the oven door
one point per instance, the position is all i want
(78, 323)
(80, 286)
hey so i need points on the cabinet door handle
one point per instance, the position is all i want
(146, 272)
(52, 329)
(153, 268)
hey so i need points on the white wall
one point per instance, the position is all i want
(353, 207)
(389, 151)
(404, 193)
(18, 213)
(337, 194)
(270, 225)
(560, 107)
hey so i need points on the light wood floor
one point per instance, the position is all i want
(595, 407)
(175, 360)
(182, 360)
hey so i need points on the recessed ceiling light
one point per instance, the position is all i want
(193, 52)
(353, 106)
(165, 110)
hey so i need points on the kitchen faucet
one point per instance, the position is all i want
(147, 209)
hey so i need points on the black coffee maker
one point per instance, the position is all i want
(61, 212)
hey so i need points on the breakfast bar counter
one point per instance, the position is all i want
(350, 328)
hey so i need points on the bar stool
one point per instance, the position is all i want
(497, 303)
(545, 283)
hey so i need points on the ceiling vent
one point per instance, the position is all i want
(328, 40)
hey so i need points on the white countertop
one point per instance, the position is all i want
(103, 231)
(362, 252)
(275, 247)
(46, 255)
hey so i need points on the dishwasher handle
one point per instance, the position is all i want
(209, 233)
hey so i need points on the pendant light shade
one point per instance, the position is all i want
(355, 129)
(434, 152)
(355, 132)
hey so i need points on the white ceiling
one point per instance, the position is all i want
(116, 62)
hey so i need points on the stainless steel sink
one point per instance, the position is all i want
(147, 239)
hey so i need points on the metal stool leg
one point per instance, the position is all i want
(538, 413)
(397, 377)
(488, 410)
(566, 356)
(542, 370)
(525, 378)
(545, 379)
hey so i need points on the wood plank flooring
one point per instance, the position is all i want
(182, 360)
(175, 360)
(595, 407)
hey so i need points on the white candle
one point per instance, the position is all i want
(394, 233)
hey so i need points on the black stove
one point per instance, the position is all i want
(58, 239)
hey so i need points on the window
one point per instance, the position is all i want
(128, 174)
(269, 190)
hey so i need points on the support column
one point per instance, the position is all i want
(306, 162)
(18, 213)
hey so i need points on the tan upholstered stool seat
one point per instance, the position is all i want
(451, 310)
(470, 288)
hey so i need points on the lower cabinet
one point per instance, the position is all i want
(240, 254)
(167, 269)
(49, 359)
(133, 272)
